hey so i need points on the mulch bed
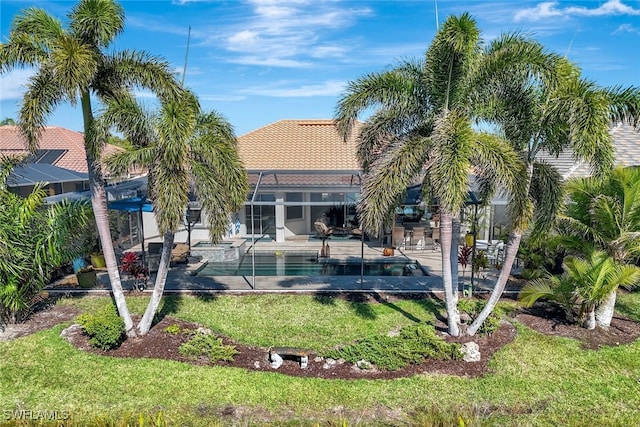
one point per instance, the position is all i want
(162, 345)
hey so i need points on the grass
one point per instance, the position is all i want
(535, 381)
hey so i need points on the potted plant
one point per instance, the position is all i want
(131, 264)
(86, 277)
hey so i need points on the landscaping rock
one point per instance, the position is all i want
(471, 352)
(363, 364)
(329, 364)
(256, 364)
(318, 359)
(67, 332)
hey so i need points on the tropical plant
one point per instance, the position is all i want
(131, 264)
(422, 130)
(585, 284)
(464, 257)
(72, 65)
(184, 150)
(33, 241)
(604, 214)
(564, 113)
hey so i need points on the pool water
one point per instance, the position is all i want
(301, 264)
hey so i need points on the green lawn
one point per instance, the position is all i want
(536, 380)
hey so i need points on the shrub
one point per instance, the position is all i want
(173, 329)
(105, 327)
(208, 345)
(414, 344)
(474, 307)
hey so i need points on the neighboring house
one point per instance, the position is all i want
(60, 160)
(626, 142)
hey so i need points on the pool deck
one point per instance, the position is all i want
(181, 278)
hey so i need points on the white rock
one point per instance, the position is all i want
(471, 352)
(363, 364)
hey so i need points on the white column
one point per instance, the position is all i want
(280, 217)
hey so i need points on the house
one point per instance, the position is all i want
(299, 171)
(626, 141)
(60, 160)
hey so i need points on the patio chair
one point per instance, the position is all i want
(417, 235)
(322, 230)
(435, 237)
(398, 238)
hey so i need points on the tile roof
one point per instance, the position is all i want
(298, 145)
(69, 143)
(626, 142)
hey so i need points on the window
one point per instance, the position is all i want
(294, 212)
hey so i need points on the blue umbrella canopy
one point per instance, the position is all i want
(132, 204)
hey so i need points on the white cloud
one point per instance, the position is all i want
(627, 28)
(183, 2)
(13, 84)
(289, 33)
(222, 98)
(269, 62)
(547, 10)
(286, 90)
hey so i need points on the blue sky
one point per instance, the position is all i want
(260, 61)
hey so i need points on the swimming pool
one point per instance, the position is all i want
(308, 264)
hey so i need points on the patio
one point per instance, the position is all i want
(181, 278)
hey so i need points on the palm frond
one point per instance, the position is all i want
(97, 22)
(42, 96)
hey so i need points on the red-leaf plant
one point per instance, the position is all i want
(131, 264)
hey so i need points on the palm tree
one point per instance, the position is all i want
(183, 149)
(555, 115)
(33, 241)
(605, 214)
(73, 65)
(586, 283)
(422, 130)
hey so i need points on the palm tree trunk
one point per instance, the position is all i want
(510, 255)
(513, 244)
(455, 234)
(590, 319)
(158, 288)
(101, 213)
(604, 312)
(450, 297)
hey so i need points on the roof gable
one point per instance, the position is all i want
(68, 144)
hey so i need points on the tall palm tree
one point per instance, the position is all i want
(605, 214)
(72, 65)
(183, 149)
(565, 113)
(422, 130)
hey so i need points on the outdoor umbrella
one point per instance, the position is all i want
(137, 204)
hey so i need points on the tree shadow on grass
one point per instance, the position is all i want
(170, 304)
(358, 302)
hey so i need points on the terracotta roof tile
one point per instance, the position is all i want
(298, 145)
(53, 138)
